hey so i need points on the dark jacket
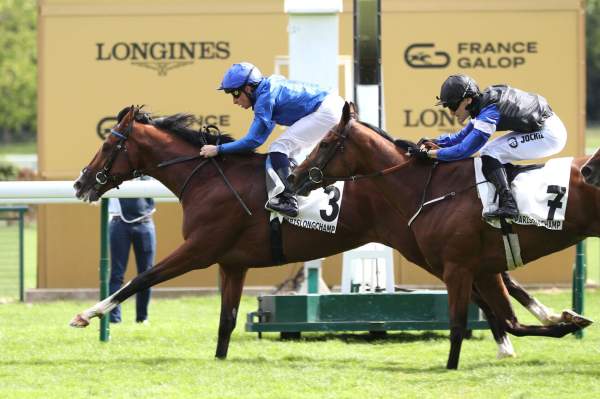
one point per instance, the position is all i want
(519, 111)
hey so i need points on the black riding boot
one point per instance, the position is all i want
(286, 202)
(496, 174)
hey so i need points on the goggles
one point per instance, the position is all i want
(236, 93)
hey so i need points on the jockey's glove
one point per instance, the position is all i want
(426, 140)
(417, 153)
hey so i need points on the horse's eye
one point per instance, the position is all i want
(106, 147)
(324, 145)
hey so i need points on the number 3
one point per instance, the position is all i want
(335, 207)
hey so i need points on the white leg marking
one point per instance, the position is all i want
(505, 348)
(545, 315)
(104, 306)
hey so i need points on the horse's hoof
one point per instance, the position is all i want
(79, 322)
(505, 355)
(569, 316)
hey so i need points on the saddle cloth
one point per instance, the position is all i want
(319, 211)
(541, 194)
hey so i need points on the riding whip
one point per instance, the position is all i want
(214, 162)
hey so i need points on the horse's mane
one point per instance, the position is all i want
(179, 125)
(405, 144)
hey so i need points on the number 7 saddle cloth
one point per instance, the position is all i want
(541, 193)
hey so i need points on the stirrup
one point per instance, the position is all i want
(283, 206)
(502, 212)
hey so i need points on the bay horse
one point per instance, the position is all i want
(457, 244)
(591, 169)
(217, 230)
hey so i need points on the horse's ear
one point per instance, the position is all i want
(353, 110)
(347, 114)
(125, 116)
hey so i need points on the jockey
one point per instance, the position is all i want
(534, 131)
(308, 110)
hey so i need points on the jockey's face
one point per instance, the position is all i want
(461, 112)
(243, 100)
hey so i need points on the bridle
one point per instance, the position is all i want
(316, 175)
(104, 176)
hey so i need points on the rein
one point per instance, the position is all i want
(104, 175)
(315, 175)
(379, 173)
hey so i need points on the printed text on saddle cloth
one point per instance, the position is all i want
(319, 211)
(541, 194)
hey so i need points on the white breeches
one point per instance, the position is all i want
(515, 146)
(303, 135)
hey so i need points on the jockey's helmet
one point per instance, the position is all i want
(456, 88)
(239, 75)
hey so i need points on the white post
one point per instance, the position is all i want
(369, 268)
(313, 32)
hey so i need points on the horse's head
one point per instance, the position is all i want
(330, 159)
(591, 170)
(112, 163)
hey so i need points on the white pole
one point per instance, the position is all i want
(55, 192)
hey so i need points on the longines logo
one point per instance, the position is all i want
(162, 56)
(471, 55)
(430, 118)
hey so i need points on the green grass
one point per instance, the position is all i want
(9, 258)
(592, 138)
(19, 148)
(41, 357)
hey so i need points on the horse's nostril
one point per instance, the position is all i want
(586, 171)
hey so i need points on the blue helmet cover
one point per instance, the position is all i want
(239, 75)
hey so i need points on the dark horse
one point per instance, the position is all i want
(591, 169)
(458, 246)
(215, 227)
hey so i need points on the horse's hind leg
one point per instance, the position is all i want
(179, 262)
(547, 316)
(459, 280)
(491, 290)
(232, 282)
(505, 348)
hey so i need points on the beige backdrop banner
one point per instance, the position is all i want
(95, 59)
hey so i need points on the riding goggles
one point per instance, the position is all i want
(236, 93)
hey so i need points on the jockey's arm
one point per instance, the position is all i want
(467, 147)
(448, 140)
(256, 136)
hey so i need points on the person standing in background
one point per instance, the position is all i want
(131, 224)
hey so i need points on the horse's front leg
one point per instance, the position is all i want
(459, 280)
(181, 261)
(232, 283)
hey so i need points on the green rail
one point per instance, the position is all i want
(20, 209)
(579, 277)
(104, 267)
